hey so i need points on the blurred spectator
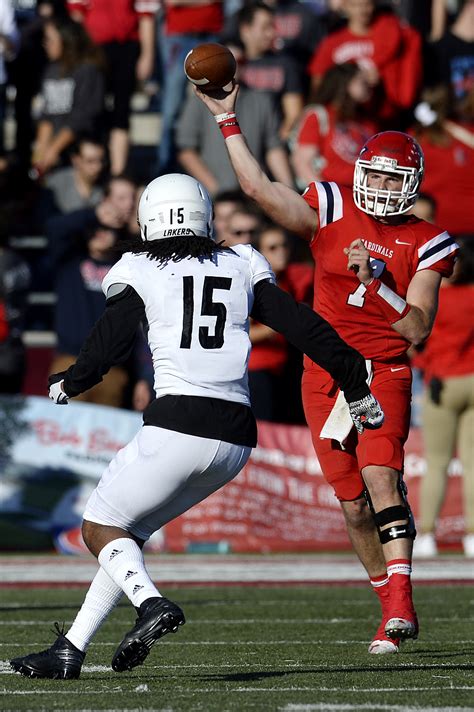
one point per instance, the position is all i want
(334, 129)
(243, 226)
(80, 302)
(267, 70)
(72, 91)
(79, 270)
(298, 29)
(425, 208)
(225, 203)
(199, 139)
(75, 186)
(186, 24)
(448, 413)
(388, 49)
(8, 47)
(269, 353)
(114, 211)
(14, 285)
(125, 30)
(454, 53)
(448, 146)
(26, 70)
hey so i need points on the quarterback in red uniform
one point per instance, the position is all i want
(378, 272)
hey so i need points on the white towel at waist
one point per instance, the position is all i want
(339, 422)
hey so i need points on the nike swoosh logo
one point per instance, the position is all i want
(399, 242)
(400, 368)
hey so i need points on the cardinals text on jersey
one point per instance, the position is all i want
(397, 251)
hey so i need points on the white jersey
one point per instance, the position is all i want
(198, 319)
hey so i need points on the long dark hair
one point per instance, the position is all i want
(173, 249)
(333, 91)
(78, 48)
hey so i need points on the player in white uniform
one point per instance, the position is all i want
(196, 297)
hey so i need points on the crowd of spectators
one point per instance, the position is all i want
(317, 77)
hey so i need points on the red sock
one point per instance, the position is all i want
(399, 573)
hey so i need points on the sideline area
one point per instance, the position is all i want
(198, 570)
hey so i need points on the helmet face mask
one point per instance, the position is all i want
(391, 153)
(174, 205)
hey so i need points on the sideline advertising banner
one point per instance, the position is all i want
(51, 458)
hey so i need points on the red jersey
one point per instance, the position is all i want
(379, 46)
(192, 19)
(453, 195)
(449, 351)
(338, 143)
(115, 21)
(393, 47)
(397, 253)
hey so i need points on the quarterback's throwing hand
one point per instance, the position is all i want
(57, 394)
(366, 413)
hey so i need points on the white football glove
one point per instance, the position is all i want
(57, 394)
(366, 413)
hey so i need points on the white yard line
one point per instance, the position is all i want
(200, 690)
(323, 706)
(290, 665)
(266, 621)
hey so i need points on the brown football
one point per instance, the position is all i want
(210, 66)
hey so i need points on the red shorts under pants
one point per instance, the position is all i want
(391, 385)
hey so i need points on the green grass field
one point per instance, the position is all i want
(242, 648)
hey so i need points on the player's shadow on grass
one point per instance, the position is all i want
(266, 674)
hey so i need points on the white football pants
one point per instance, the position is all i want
(159, 475)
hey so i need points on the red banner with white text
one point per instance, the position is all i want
(281, 502)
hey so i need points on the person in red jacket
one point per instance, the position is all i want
(125, 29)
(387, 48)
(333, 129)
(448, 409)
(445, 132)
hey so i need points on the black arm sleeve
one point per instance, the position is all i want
(313, 335)
(109, 343)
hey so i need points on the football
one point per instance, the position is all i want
(211, 67)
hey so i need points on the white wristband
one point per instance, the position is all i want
(225, 117)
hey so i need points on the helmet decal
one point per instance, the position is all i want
(174, 205)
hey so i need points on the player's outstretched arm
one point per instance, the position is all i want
(313, 335)
(282, 204)
(110, 342)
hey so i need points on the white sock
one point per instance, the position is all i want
(101, 598)
(123, 560)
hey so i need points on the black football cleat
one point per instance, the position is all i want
(156, 618)
(62, 661)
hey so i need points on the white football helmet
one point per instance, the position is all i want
(174, 205)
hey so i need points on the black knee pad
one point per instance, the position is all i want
(396, 531)
(394, 514)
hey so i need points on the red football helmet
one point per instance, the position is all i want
(388, 152)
